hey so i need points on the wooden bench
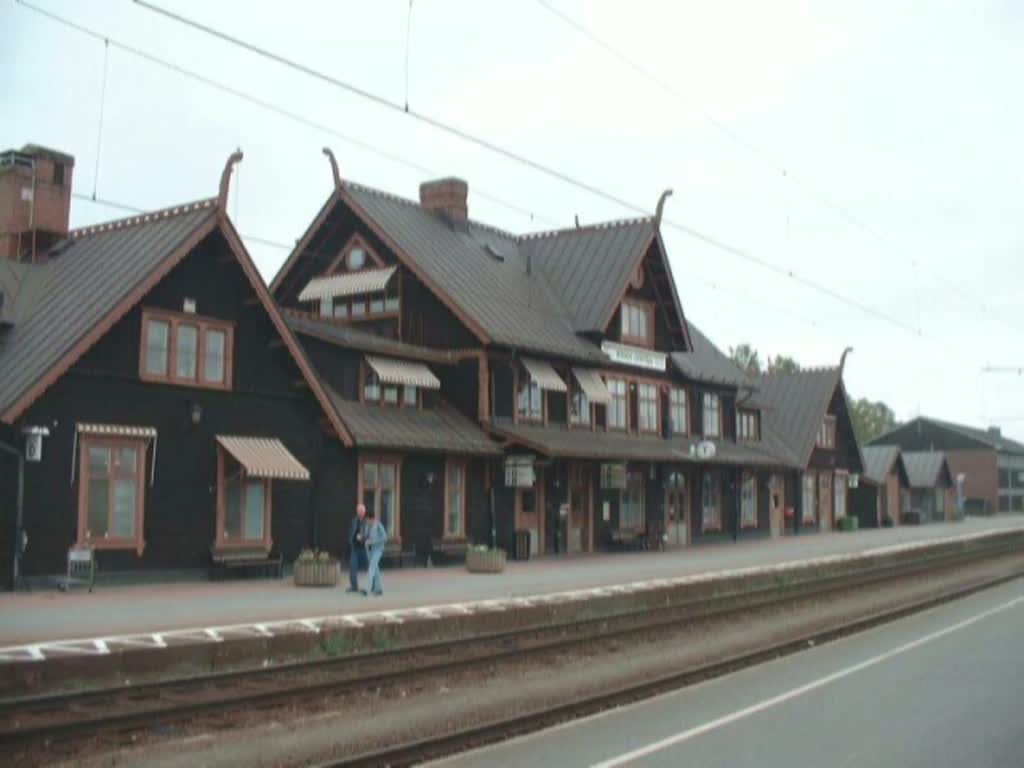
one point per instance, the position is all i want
(395, 555)
(227, 560)
(628, 539)
(449, 549)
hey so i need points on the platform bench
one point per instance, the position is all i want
(227, 560)
(450, 549)
(628, 539)
(395, 555)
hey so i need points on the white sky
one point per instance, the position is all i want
(908, 116)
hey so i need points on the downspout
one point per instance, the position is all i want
(19, 508)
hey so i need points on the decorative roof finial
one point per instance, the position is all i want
(334, 167)
(225, 179)
(661, 207)
(842, 360)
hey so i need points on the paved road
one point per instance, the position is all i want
(52, 615)
(942, 688)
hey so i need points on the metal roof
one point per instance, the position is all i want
(85, 279)
(970, 436)
(348, 336)
(707, 363)
(927, 469)
(880, 460)
(588, 267)
(264, 457)
(797, 403)
(440, 429)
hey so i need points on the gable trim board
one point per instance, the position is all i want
(215, 221)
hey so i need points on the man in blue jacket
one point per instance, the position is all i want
(376, 538)
(356, 548)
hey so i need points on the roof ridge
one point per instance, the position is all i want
(600, 225)
(143, 218)
(416, 204)
(802, 369)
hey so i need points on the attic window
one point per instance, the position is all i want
(494, 253)
(356, 258)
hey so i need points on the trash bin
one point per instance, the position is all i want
(522, 545)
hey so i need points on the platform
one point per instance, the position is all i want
(41, 624)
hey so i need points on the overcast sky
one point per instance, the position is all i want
(898, 125)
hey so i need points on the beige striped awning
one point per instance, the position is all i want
(347, 284)
(544, 375)
(593, 385)
(392, 371)
(264, 457)
(116, 430)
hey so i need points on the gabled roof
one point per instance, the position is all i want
(96, 275)
(880, 460)
(796, 403)
(927, 469)
(441, 429)
(590, 266)
(980, 438)
(707, 363)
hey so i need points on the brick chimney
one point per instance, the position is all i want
(446, 197)
(35, 200)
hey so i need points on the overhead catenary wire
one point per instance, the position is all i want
(99, 127)
(517, 157)
(843, 212)
(268, 106)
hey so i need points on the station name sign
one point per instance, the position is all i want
(624, 354)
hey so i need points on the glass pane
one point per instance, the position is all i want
(213, 370)
(98, 500)
(391, 394)
(409, 395)
(369, 498)
(356, 258)
(126, 458)
(391, 305)
(369, 475)
(377, 304)
(99, 460)
(254, 492)
(157, 332)
(326, 306)
(124, 508)
(624, 316)
(341, 309)
(233, 508)
(358, 308)
(386, 502)
(387, 475)
(372, 389)
(185, 367)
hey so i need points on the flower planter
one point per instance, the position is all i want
(485, 560)
(316, 573)
(849, 523)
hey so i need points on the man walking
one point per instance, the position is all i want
(376, 538)
(356, 548)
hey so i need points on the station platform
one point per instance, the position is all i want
(34, 625)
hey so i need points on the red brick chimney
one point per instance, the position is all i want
(35, 200)
(446, 197)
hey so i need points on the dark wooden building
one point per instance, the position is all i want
(884, 489)
(932, 488)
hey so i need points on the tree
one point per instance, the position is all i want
(782, 364)
(871, 419)
(746, 357)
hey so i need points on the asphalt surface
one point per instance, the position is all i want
(941, 688)
(44, 615)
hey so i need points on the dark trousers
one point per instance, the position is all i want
(356, 560)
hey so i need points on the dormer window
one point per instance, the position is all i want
(827, 432)
(748, 425)
(712, 415)
(356, 258)
(636, 320)
(396, 382)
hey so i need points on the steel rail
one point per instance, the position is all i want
(261, 687)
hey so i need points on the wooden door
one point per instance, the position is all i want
(579, 508)
(529, 514)
(776, 504)
(677, 517)
(825, 501)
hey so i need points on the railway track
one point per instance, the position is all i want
(66, 716)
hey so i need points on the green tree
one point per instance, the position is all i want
(782, 364)
(746, 357)
(871, 419)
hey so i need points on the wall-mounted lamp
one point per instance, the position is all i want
(429, 478)
(196, 414)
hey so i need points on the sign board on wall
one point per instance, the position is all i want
(624, 354)
(519, 472)
(606, 511)
(613, 477)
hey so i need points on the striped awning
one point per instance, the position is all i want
(405, 372)
(264, 457)
(593, 385)
(116, 430)
(347, 284)
(544, 375)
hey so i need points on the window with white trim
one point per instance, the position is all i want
(631, 507)
(678, 412)
(810, 498)
(617, 410)
(379, 485)
(711, 508)
(712, 415)
(579, 407)
(186, 349)
(111, 495)
(748, 500)
(529, 399)
(647, 407)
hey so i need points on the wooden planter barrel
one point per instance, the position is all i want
(316, 573)
(490, 561)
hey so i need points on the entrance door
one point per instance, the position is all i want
(677, 518)
(579, 509)
(776, 504)
(529, 506)
(825, 501)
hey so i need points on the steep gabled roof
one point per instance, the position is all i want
(796, 404)
(927, 469)
(708, 363)
(590, 266)
(979, 438)
(880, 460)
(94, 277)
